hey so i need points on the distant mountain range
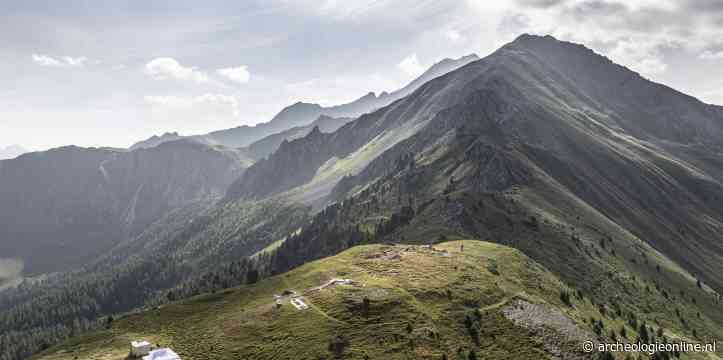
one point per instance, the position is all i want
(91, 199)
(302, 114)
(11, 152)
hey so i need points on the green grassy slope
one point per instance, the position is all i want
(419, 300)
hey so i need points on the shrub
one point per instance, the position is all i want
(565, 297)
(337, 345)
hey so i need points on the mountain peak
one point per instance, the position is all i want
(532, 37)
(156, 140)
(315, 131)
(549, 46)
(447, 63)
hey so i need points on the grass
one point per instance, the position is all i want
(418, 303)
(425, 290)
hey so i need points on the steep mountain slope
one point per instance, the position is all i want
(294, 115)
(302, 114)
(74, 203)
(442, 67)
(597, 133)
(356, 143)
(266, 146)
(181, 252)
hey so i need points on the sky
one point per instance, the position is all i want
(110, 73)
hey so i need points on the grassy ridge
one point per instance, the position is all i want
(405, 293)
(422, 304)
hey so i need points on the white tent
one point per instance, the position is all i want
(140, 348)
(162, 354)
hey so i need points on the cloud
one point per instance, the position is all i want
(239, 74)
(411, 66)
(77, 61)
(711, 55)
(645, 58)
(212, 103)
(512, 24)
(713, 96)
(168, 68)
(45, 60)
(651, 66)
(65, 61)
(540, 3)
(452, 35)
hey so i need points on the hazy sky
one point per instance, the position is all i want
(95, 73)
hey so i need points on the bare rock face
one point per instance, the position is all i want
(561, 337)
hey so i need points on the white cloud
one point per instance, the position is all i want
(650, 66)
(45, 60)
(65, 61)
(411, 66)
(710, 55)
(452, 35)
(643, 57)
(239, 74)
(77, 61)
(168, 68)
(211, 103)
(345, 10)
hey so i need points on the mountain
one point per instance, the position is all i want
(596, 194)
(75, 203)
(640, 153)
(174, 249)
(302, 114)
(438, 69)
(268, 145)
(294, 115)
(11, 152)
(154, 141)
(555, 130)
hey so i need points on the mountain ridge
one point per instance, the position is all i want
(303, 113)
(520, 83)
(95, 197)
